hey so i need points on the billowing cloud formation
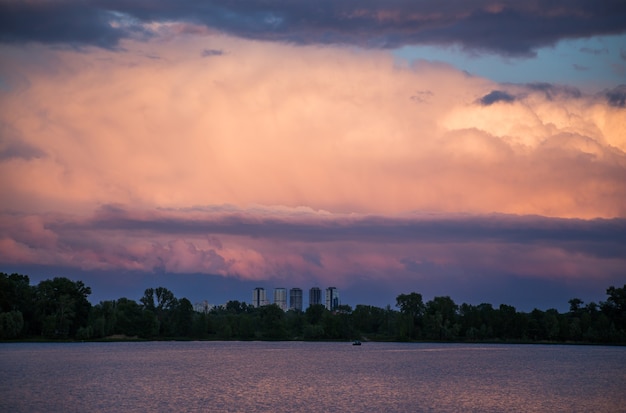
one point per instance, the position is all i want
(508, 27)
(204, 153)
(300, 243)
(323, 128)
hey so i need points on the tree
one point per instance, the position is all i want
(370, 320)
(128, 317)
(507, 326)
(158, 299)
(16, 292)
(440, 320)
(62, 307)
(575, 306)
(412, 307)
(16, 302)
(184, 317)
(314, 313)
(295, 323)
(615, 306)
(160, 302)
(102, 319)
(11, 324)
(200, 326)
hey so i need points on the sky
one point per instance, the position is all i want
(473, 149)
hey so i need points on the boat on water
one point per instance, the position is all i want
(356, 343)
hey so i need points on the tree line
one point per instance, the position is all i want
(59, 309)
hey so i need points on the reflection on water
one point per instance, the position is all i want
(310, 377)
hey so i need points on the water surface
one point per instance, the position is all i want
(310, 377)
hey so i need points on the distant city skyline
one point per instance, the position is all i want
(292, 298)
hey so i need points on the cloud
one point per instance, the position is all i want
(617, 96)
(324, 128)
(289, 225)
(289, 163)
(593, 51)
(475, 25)
(283, 243)
(552, 91)
(61, 22)
(496, 96)
(211, 52)
(12, 149)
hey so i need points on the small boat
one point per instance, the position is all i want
(356, 343)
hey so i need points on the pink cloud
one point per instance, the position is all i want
(317, 127)
(340, 249)
(272, 161)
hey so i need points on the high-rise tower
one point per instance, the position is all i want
(280, 298)
(332, 298)
(295, 299)
(315, 296)
(258, 297)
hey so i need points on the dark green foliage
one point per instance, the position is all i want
(61, 307)
(372, 321)
(183, 318)
(16, 295)
(440, 319)
(128, 318)
(58, 309)
(272, 323)
(314, 313)
(615, 307)
(412, 308)
(11, 324)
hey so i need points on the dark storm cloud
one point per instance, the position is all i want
(496, 96)
(60, 22)
(617, 96)
(508, 27)
(599, 237)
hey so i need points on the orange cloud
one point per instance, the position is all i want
(327, 128)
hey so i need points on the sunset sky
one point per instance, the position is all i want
(475, 149)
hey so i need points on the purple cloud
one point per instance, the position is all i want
(496, 96)
(475, 25)
(475, 258)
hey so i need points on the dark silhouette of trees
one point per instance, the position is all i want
(615, 306)
(412, 308)
(59, 309)
(374, 322)
(440, 320)
(16, 305)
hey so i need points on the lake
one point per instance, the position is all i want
(310, 377)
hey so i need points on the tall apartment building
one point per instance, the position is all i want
(258, 297)
(315, 296)
(295, 299)
(332, 298)
(280, 298)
